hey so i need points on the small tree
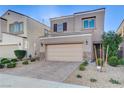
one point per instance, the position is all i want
(113, 40)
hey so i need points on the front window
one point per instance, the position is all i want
(88, 23)
(16, 27)
(59, 27)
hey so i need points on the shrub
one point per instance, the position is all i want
(82, 67)
(20, 54)
(14, 60)
(85, 63)
(25, 63)
(33, 59)
(100, 62)
(11, 65)
(79, 76)
(1, 65)
(114, 81)
(93, 80)
(121, 61)
(113, 61)
(5, 61)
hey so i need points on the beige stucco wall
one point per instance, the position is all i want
(35, 30)
(69, 20)
(14, 17)
(11, 39)
(99, 24)
(87, 48)
(3, 27)
(75, 24)
(0, 31)
(120, 30)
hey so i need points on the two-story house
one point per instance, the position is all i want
(18, 31)
(72, 37)
(120, 31)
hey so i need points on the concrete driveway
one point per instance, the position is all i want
(54, 71)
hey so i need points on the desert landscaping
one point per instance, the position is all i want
(95, 79)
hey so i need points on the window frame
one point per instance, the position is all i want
(16, 27)
(89, 19)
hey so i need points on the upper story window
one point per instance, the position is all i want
(60, 27)
(89, 23)
(45, 32)
(16, 27)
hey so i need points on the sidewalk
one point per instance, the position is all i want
(10, 81)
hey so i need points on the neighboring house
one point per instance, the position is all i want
(120, 31)
(18, 31)
(72, 37)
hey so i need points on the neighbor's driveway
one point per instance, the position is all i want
(55, 71)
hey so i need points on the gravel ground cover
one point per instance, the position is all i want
(102, 78)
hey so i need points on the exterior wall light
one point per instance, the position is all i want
(41, 44)
(86, 42)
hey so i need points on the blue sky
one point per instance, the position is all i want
(113, 17)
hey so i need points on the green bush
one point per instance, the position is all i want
(93, 80)
(100, 62)
(1, 65)
(79, 76)
(33, 59)
(14, 60)
(5, 61)
(25, 62)
(20, 54)
(114, 81)
(121, 61)
(85, 63)
(82, 67)
(11, 65)
(113, 61)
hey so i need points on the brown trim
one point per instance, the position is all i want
(55, 27)
(65, 26)
(3, 19)
(88, 17)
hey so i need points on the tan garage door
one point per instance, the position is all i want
(65, 52)
(8, 50)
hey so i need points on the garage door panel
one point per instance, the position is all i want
(65, 52)
(8, 51)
